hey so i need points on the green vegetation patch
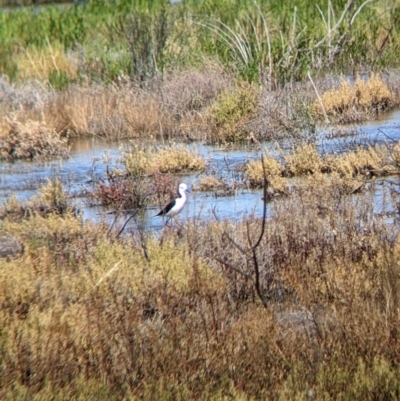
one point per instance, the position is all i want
(231, 110)
(270, 42)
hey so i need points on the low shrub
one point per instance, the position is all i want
(302, 305)
(32, 140)
(230, 111)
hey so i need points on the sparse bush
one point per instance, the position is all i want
(31, 140)
(230, 111)
(191, 91)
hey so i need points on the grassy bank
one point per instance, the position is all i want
(303, 306)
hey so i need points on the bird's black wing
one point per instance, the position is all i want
(167, 208)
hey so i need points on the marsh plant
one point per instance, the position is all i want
(230, 111)
(351, 103)
(302, 302)
(33, 140)
(169, 159)
(349, 171)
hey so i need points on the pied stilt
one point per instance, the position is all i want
(176, 206)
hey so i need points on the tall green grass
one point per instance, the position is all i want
(271, 41)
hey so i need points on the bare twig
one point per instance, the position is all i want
(254, 277)
(126, 222)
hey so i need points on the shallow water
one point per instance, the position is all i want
(89, 158)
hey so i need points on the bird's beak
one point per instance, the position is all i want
(188, 191)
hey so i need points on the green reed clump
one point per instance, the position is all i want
(230, 111)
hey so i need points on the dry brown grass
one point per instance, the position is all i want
(284, 112)
(350, 103)
(33, 140)
(165, 108)
(204, 104)
(84, 316)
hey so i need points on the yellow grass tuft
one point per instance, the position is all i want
(40, 63)
(372, 93)
(347, 102)
(346, 171)
(273, 172)
(304, 160)
(171, 159)
(366, 162)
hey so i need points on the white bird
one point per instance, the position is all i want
(176, 206)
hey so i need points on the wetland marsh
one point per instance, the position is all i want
(280, 279)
